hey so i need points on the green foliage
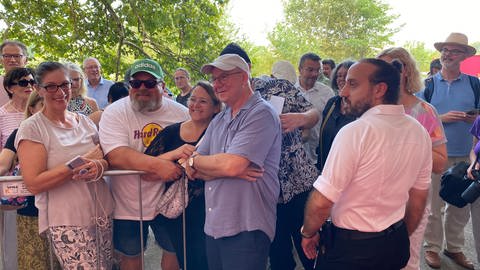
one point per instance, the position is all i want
(476, 45)
(262, 57)
(183, 33)
(422, 55)
(333, 29)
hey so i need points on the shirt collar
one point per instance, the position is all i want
(256, 97)
(440, 77)
(385, 109)
(314, 88)
(102, 81)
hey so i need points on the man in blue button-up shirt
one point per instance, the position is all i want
(239, 160)
(97, 87)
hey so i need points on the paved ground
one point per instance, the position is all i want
(469, 252)
(153, 255)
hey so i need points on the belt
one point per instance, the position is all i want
(358, 235)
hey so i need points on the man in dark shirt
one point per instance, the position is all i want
(182, 81)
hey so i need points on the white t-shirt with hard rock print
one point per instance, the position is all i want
(121, 126)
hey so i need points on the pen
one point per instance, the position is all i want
(316, 258)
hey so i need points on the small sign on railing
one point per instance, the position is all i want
(14, 189)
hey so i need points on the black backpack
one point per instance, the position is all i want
(474, 82)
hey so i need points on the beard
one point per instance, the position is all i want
(145, 106)
(357, 109)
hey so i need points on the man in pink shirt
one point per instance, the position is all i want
(375, 182)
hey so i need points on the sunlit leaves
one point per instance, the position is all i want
(332, 28)
(175, 33)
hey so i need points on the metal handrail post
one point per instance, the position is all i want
(140, 205)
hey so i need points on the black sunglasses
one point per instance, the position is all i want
(24, 83)
(147, 83)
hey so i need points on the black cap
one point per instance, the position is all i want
(234, 48)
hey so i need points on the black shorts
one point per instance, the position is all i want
(126, 235)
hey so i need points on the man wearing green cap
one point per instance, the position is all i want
(126, 129)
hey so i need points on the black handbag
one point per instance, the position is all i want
(453, 183)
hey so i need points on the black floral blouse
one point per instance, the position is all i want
(296, 173)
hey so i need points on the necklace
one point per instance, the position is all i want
(12, 107)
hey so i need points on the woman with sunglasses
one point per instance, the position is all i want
(18, 84)
(79, 102)
(62, 165)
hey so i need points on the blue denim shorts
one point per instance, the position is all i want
(126, 236)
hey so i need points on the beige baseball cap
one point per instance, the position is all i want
(226, 62)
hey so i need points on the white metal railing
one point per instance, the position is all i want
(13, 186)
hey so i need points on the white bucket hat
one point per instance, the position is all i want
(284, 70)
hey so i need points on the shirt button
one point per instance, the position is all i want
(209, 209)
(209, 188)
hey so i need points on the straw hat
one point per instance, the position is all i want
(458, 39)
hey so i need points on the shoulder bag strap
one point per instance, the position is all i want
(475, 84)
(324, 122)
(429, 87)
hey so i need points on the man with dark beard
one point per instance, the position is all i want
(373, 198)
(126, 129)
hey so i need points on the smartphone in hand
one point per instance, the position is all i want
(473, 112)
(76, 162)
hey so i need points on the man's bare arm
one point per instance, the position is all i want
(291, 121)
(127, 158)
(219, 165)
(415, 207)
(317, 210)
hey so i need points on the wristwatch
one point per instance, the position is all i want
(190, 160)
(308, 236)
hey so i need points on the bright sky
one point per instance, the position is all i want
(427, 21)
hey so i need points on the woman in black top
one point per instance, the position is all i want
(333, 117)
(202, 106)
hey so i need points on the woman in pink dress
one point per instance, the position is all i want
(427, 116)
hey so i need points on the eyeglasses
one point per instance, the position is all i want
(52, 88)
(24, 83)
(76, 79)
(223, 78)
(10, 56)
(452, 52)
(310, 69)
(148, 83)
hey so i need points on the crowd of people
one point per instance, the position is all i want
(341, 163)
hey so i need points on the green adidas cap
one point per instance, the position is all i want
(147, 65)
